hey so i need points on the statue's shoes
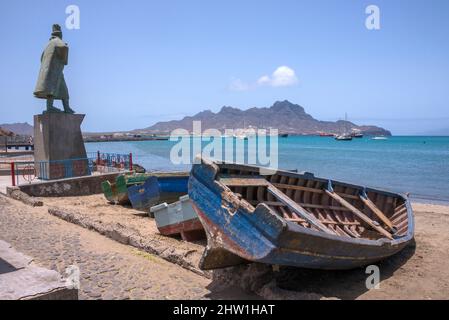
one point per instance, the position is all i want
(69, 110)
(52, 110)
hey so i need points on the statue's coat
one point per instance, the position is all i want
(51, 83)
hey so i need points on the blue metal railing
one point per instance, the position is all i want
(61, 169)
(95, 161)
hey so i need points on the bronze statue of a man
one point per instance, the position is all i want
(51, 84)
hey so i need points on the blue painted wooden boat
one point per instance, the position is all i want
(144, 196)
(295, 219)
(162, 187)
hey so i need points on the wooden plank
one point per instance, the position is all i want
(400, 219)
(305, 205)
(351, 232)
(308, 189)
(359, 214)
(244, 182)
(295, 220)
(398, 213)
(378, 213)
(341, 231)
(325, 222)
(293, 187)
(296, 208)
(402, 224)
(235, 180)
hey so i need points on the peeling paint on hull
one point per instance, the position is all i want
(236, 235)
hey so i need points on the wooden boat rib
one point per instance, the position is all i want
(306, 222)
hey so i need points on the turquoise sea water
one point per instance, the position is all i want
(418, 165)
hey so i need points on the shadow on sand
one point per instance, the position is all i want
(5, 267)
(296, 283)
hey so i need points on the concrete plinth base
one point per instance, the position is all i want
(20, 279)
(59, 150)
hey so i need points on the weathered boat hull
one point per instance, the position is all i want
(236, 235)
(178, 218)
(109, 191)
(158, 189)
(170, 186)
(144, 196)
(117, 192)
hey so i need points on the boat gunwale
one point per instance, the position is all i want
(310, 176)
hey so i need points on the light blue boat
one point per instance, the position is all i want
(178, 218)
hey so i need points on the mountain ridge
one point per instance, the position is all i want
(19, 128)
(285, 116)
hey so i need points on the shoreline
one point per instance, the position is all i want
(428, 201)
(124, 139)
(27, 156)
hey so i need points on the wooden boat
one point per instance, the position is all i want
(161, 187)
(117, 192)
(144, 196)
(295, 219)
(109, 191)
(178, 218)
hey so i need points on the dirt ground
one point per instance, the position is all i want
(97, 206)
(421, 271)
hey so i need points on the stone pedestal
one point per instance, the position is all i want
(21, 279)
(59, 150)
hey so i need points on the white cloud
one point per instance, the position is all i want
(239, 85)
(281, 77)
(265, 80)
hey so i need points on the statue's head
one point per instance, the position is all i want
(56, 31)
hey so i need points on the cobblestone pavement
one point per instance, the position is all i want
(109, 270)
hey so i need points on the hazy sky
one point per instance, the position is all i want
(133, 63)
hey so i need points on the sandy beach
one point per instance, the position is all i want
(421, 271)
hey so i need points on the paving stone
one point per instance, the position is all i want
(107, 268)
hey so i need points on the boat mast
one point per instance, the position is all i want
(346, 123)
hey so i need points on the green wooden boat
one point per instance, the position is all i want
(117, 192)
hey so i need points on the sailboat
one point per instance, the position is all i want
(345, 136)
(356, 133)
